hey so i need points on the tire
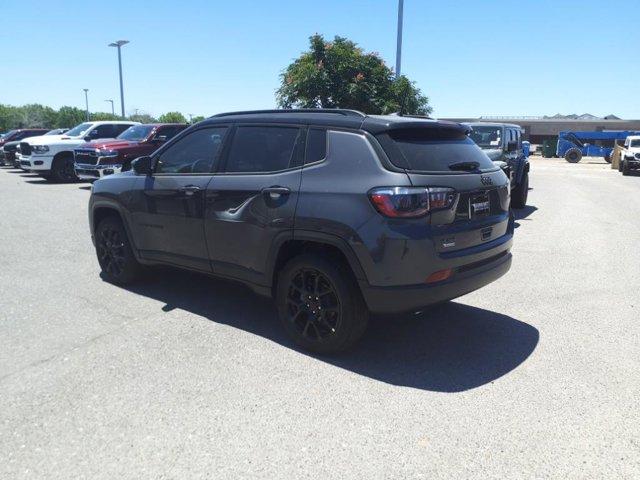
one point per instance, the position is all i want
(607, 158)
(625, 169)
(115, 256)
(620, 164)
(521, 192)
(310, 283)
(62, 170)
(573, 155)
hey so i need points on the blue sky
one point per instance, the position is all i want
(482, 57)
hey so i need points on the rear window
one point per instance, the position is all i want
(432, 149)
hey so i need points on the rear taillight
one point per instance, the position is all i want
(410, 202)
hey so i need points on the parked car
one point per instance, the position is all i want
(333, 213)
(15, 136)
(502, 142)
(52, 156)
(630, 155)
(10, 149)
(106, 157)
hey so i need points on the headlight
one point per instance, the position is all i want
(40, 149)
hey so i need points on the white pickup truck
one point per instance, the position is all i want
(630, 155)
(52, 156)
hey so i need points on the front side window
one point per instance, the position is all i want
(137, 133)
(79, 130)
(262, 149)
(169, 132)
(195, 153)
(635, 143)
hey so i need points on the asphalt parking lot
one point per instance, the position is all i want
(535, 376)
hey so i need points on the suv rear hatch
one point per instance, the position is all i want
(440, 155)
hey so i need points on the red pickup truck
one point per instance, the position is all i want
(108, 156)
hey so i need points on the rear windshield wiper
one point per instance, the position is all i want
(465, 166)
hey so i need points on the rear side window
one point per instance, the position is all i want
(262, 149)
(316, 145)
(432, 149)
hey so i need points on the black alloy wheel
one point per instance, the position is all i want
(114, 252)
(313, 306)
(320, 304)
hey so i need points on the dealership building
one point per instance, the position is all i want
(539, 129)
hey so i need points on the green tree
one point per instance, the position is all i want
(339, 74)
(143, 118)
(197, 118)
(38, 116)
(172, 117)
(98, 116)
(69, 117)
(10, 117)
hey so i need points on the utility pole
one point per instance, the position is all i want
(118, 45)
(399, 40)
(113, 112)
(86, 102)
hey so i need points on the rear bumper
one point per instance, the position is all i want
(466, 279)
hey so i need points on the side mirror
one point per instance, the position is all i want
(512, 146)
(142, 166)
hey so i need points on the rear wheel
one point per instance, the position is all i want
(521, 192)
(115, 255)
(573, 155)
(320, 305)
(607, 158)
(63, 170)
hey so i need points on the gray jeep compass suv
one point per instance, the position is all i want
(333, 213)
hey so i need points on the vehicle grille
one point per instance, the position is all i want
(86, 157)
(25, 148)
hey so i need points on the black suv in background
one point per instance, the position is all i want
(333, 213)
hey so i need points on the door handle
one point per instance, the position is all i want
(276, 191)
(189, 189)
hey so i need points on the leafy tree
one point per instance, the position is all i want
(197, 118)
(97, 116)
(172, 117)
(10, 117)
(37, 116)
(143, 118)
(339, 74)
(69, 117)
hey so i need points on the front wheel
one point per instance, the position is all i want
(320, 305)
(620, 164)
(63, 169)
(521, 192)
(115, 255)
(625, 169)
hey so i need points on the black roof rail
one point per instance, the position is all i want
(338, 111)
(399, 114)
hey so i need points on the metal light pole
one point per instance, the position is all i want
(119, 44)
(86, 102)
(399, 41)
(113, 112)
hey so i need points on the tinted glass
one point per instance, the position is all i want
(316, 145)
(634, 143)
(103, 131)
(170, 131)
(79, 130)
(486, 136)
(262, 149)
(136, 133)
(194, 153)
(118, 129)
(433, 149)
